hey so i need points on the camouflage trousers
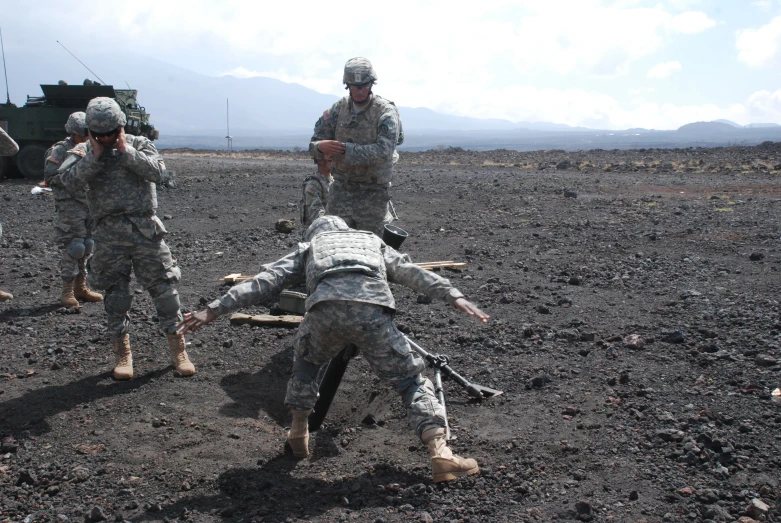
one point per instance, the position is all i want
(121, 248)
(72, 228)
(329, 326)
(361, 206)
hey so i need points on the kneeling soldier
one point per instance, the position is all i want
(350, 302)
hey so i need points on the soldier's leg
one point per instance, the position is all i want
(316, 342)
(372, 210)
(110, 268)
(157, 271)
(340, 203)
(391, 357)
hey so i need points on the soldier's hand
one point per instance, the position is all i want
(121, 143)
(193, 322)
(470, 308)
(97, 147)
(330, 147)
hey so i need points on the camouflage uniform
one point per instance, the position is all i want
(72, 223)
(314, 198)
(122, 200)
(350, 303)
(362, 175)
(8, 147)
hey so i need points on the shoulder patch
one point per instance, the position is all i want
(54, 160)
(310, 190)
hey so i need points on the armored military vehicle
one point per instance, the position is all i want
(41, 121)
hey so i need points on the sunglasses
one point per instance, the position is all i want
(104, 135)
(362, 86)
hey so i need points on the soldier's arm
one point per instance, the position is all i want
(401, 270)
(78, 168)
(380, 151)
(8, 147)
(285, 272)
(52, 160)
(325, 129)
(313, 201)
(275, 277)
(142, 157)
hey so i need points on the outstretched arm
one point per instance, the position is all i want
(275, 276)
(470, 308)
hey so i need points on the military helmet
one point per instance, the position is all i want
(76, 124)
(104, 115)
(358, 71)
(325, 224)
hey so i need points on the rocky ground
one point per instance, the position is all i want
(635, 333)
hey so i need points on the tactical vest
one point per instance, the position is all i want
(334, 252)
(362, 129)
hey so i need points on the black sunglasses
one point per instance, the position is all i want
(104, 135)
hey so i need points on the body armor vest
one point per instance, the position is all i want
(334, 252)
(361, 129)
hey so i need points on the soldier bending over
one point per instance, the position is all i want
(347, 273)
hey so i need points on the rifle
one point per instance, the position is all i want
(441, 363)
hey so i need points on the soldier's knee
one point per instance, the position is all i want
(167, 302)
(304, 371)
(89, 246)
(76, 248)
(118, 301)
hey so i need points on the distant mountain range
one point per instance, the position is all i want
(189, 109)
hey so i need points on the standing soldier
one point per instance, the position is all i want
(8, 147)
(361, 132)
(72, 228)
(314, 197)
(120, 172)
(347, 274)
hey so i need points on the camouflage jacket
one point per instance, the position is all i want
(314, 198)
(118, 184)
(54, 158)
(346, 286)
(8, 146)
(370, 136)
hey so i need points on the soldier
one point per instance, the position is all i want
(120, 172)
(361, 132)
(314, 193)
(8, 147)
(347, 273)
(72, 227)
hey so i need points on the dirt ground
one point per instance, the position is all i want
(635, 333)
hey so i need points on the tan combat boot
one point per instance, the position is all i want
(446, 466)
(179, 359)
(5, 296)
(83, 293)
(67, 299)
(298, 436)
(123, 359)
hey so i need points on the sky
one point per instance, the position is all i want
(609, 64)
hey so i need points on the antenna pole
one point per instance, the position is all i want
(228, 122)
(7, 93)
(82, 63)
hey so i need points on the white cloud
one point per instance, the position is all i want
(760, 47)
(765, 5)
(691, 22)
(320, 85)
(665, 69)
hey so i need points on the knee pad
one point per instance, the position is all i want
(118, 303)
(167, 303)
(89, 246)
(76, 248)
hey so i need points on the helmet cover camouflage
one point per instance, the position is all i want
(358, 71)
(77, 124)
(325, 224)
(104, 115)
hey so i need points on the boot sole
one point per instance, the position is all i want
(450, 476)
(122, 377)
